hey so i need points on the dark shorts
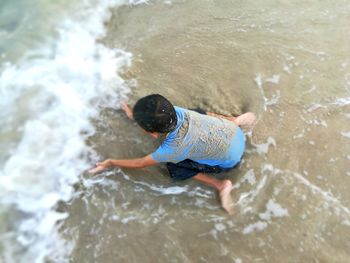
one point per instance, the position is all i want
(188, 168)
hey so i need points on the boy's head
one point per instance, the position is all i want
(154, 113)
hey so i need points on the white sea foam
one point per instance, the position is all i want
(275, 97)
(248, 197)
(220, 227)
(249, 177)
(341, 102)
(48, 102)
(312, 107)
(138, 2)
(172, 190)
(275, 79)
(263, 148)
(273, 209)
(345, 134)
(299, 135)
(326, 195)
(258, 226)
(312, 89)
(158, 189)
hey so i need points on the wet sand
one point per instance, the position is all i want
(289, 64)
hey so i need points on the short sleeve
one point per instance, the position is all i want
(166, 153)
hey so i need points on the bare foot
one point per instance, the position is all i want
(246, 120)
(225, 196)
(230, 118)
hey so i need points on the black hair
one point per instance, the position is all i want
(154, 113)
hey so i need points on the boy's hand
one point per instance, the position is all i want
(127, 110)
(101, 167)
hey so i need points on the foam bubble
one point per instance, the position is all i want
(249, 176)
(258, 226)
(162, 190)
(275, 79)
(273, 209)
(263, 148)
(275, 97)
(248, 197)
(345, 134)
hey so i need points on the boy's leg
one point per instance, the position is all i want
(247, 119)
(224, 187)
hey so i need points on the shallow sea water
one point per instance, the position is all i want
(286, 61)
(65, 67)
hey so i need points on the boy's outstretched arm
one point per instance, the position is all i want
(126, 163)
(125, 107)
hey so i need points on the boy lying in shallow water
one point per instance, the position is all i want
(195, 144)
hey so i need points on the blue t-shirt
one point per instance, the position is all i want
(203, 139)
